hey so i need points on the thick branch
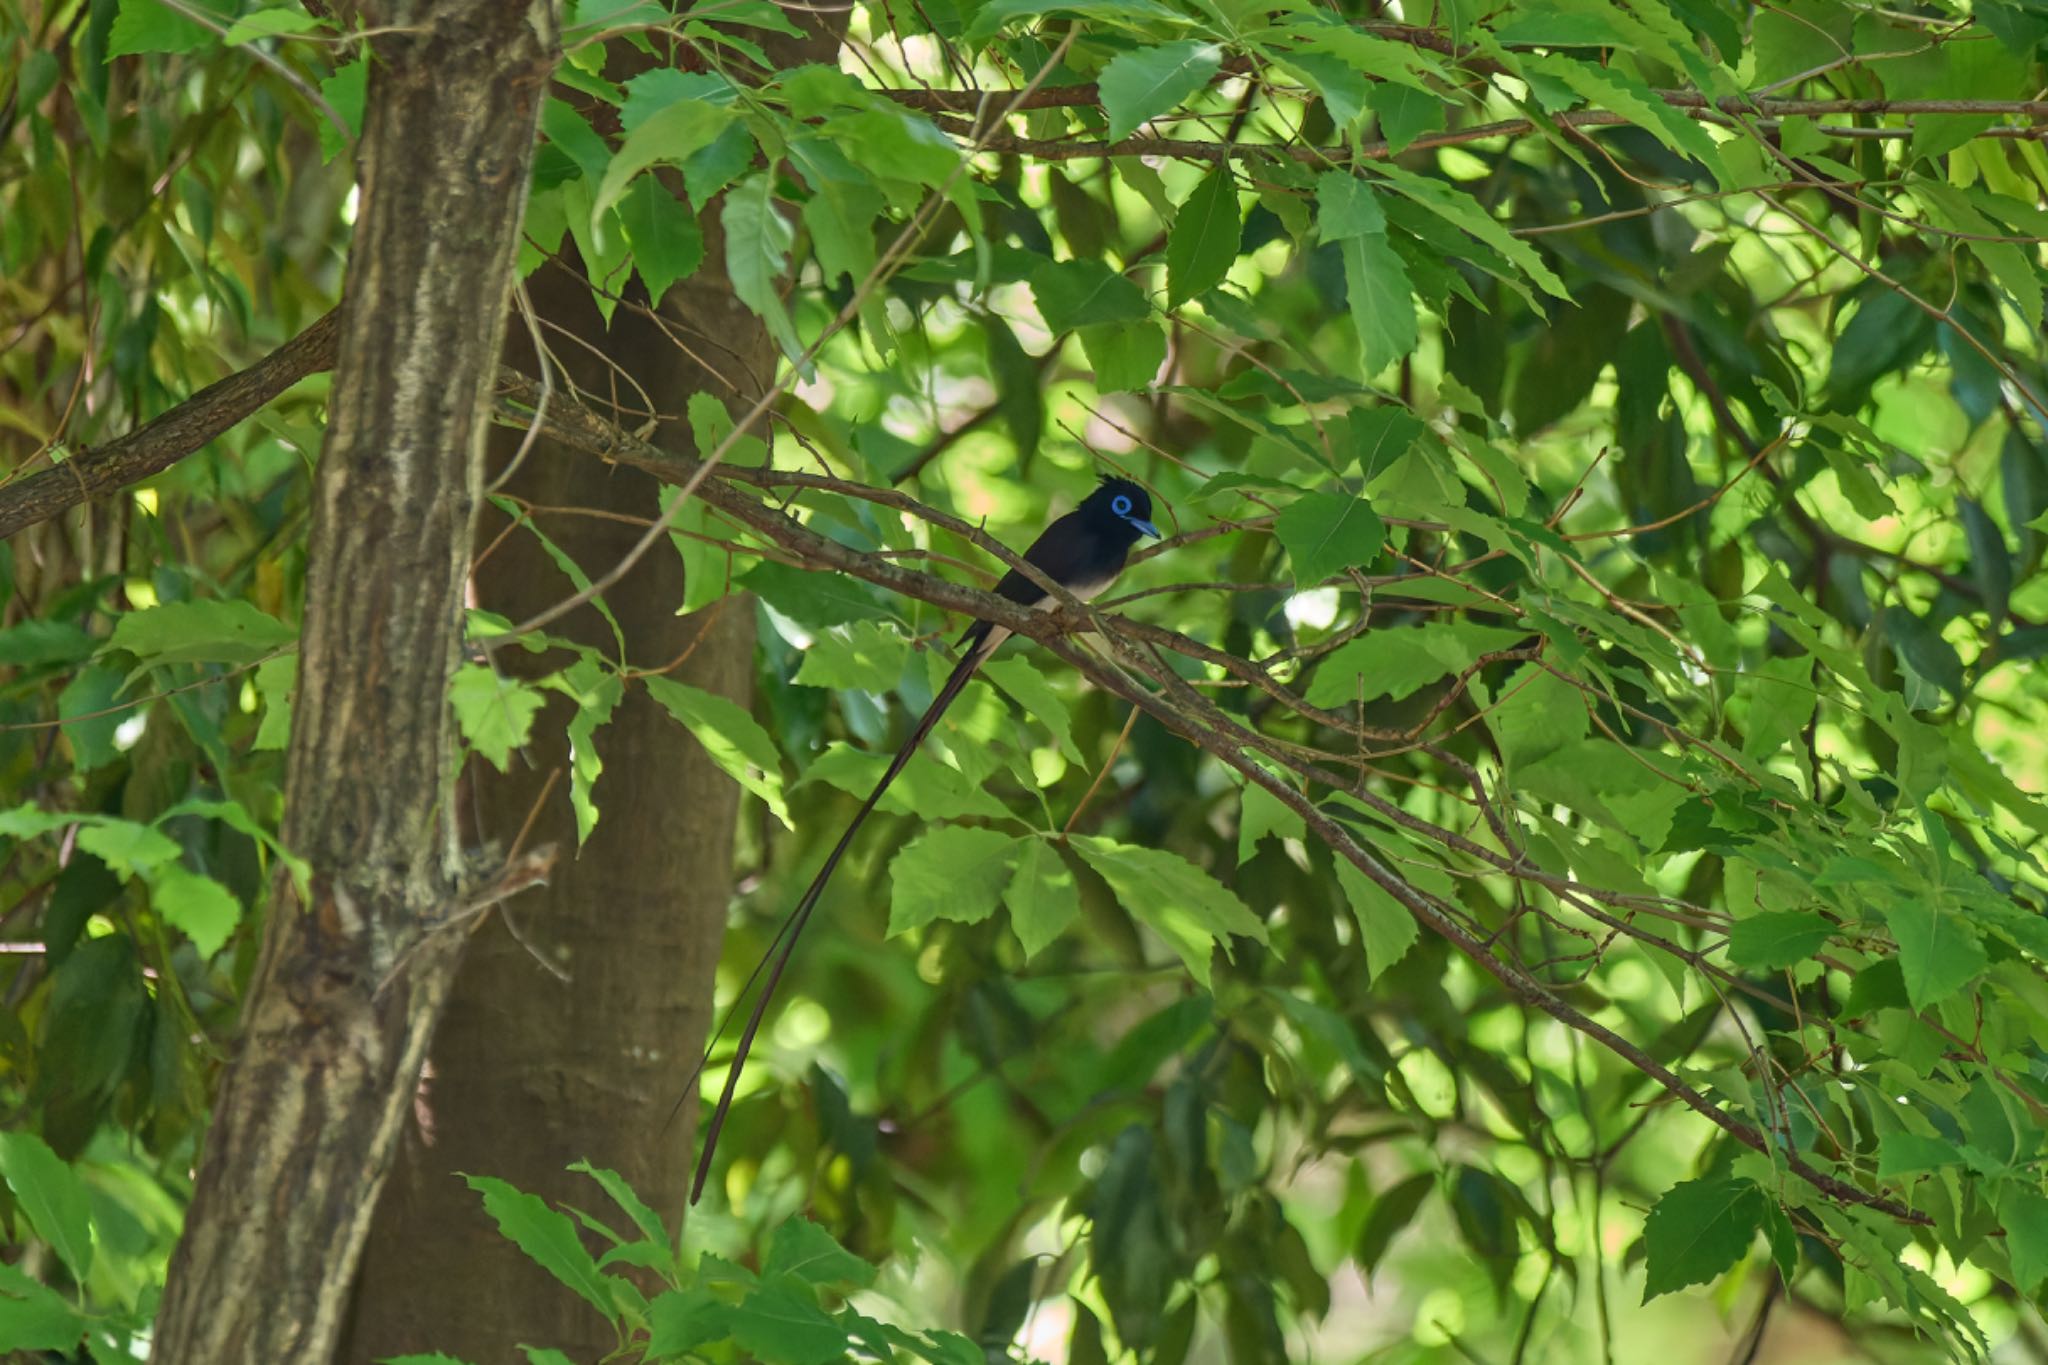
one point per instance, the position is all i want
(160, 443)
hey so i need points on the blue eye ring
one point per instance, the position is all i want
(1121, 505)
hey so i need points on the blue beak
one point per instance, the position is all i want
(1147, 527)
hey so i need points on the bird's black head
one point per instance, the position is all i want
(1121, 509)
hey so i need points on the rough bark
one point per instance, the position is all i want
(350, 982)
(528, 1073)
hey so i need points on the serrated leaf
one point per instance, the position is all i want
(89, 707)
(596, 692)
(1124, 356)
(52, 1196)
(1139, 86)
(925, 787)
(801, 1248)
(682, 1320)
(196, 906)
(1901, 1153)
(2024, 1215)
(667, 243)
(269, 23)
(127, 847)
(668, 136)
(867, 655)
(1346, 207)
(1990, 565)
(34, 1317)
(1938, 950)
(231, 632)
(345, 91)
(1042, 898)
(1028, 687)
(781, 1321)
(149, 26)
(495, 713)
(1203, 243)
(1191, 910)
(815, 601)
(757, 240)
(1382, 305)
(954, 872)
(1085, 293)
(1697, 1230)
(1326, 533)
(548, 1237)
(1777, 939)
(733, 739)
(1386, 926)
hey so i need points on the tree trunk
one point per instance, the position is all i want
(351, 981)
(529, 1073)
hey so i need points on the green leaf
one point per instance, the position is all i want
(1325, 533)
(1395, 662)
(495, 713)
(841, 219)
(91, 714)
(734, 740)
(667, 243)
(1777, 939)
(1029, 688)
(1261, 813)
(1073, 294)
(867, 655)
(275, 678)
(1901, 1153)
(344, 92)
(1938, 949)
(198, 907)
(1699, 1229)
(1139, 86)
(679, 1322)
(52, 1196)
(1203, 243)
(151, 26)
(270, 23)
(1612, 89)
(1042, 898)
(926, 787)
(34, 1317)
(1382, 307)
(815, 601)
(670, 135)
(596, 692)
(1124, 356)
(1405, 113)
(711, 427)
(2024, 1215)
(36, 642)
(1391, 1212)
(1191, 910)
(1462, 210)
(125, 846)
(1386, 926)
(781, 1321)
(805, 1250)
(1346, 207)
(549, 1239)
(954, 872)
(757, 239)
(232, 632)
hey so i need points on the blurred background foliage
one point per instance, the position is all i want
(1600, 447)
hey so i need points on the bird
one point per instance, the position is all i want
(1083, 552)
